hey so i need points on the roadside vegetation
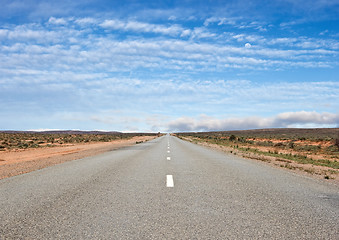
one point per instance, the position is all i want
(24, 140)
(315, 151)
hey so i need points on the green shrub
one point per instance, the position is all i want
(232, 138)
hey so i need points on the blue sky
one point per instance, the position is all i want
(168, 65)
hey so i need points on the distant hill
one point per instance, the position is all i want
(63, 132)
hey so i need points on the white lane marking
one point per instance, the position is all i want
(168, 151)
(168, 147)
(169, 181)
(168, 158)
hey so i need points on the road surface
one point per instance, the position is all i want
(167, 189)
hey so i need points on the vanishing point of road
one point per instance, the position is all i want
(167, 189)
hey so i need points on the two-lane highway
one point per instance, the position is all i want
(167, 189)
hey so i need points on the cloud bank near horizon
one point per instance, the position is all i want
(282, 120)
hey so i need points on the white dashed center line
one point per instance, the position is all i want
(169, 181)
(169, 178)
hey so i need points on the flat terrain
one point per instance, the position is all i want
(16, 161)
(167, 188)
(309, 151)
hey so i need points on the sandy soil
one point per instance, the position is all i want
(22, 161)
(317, 155)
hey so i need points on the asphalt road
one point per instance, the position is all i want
(167, 189)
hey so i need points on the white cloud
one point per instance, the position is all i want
(202, 32)
(161, 61)
(246, 61)
(24, 33)
(306, 43)
(45, 129)
(236, 22)
(3, 33)
(104, 54)
(220, 21)
(188, 74)
(142, 27)
(303, 117)
(233, 21)
(187, 49)
(288, 119)
(172, 18)
(171, 30)
(185, 33)
(86, 21)
(57, 21)
(325, 32)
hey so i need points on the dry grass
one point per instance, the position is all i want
(26, 140)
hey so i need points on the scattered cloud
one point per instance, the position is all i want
(160, 64)
(73, 48)
(323, 32)
(220, 21)
(172, 18)
(201, 32)
(86, 21)
(136, 26)
(57, 21)
(288, 119)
